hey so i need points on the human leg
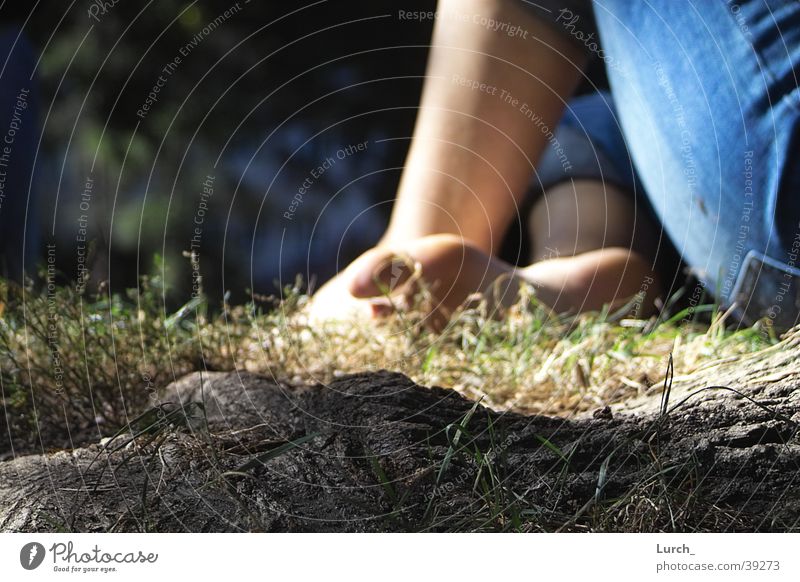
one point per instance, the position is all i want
(593, 239)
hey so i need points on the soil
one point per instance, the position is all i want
(376, 452)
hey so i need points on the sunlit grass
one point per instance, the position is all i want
(531, 360)
(77, 368)
(116, 353)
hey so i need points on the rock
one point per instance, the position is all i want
(376, 452)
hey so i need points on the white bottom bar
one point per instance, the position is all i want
(377, 557)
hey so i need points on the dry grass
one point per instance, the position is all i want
(531, 361)
(115, 353)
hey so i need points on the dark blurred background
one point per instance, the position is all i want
(225, 129)
(262, 94)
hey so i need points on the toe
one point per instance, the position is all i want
(379, 272)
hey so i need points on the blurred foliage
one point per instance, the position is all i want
(329, 73)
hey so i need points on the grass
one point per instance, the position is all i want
(531, 361)
(76, 367)
(79, 365)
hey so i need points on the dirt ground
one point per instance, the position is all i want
(376, 452)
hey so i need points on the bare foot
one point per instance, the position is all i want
(334, 302)
(389, 277)
(451, 269)
(454, 270)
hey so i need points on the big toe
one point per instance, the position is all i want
(379, 271)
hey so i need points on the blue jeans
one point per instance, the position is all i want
(706, 95)
(19, 133)
(708, 100)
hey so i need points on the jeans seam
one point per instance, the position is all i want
(793, 96)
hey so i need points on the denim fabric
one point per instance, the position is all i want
(707, 95)
(591, 139)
